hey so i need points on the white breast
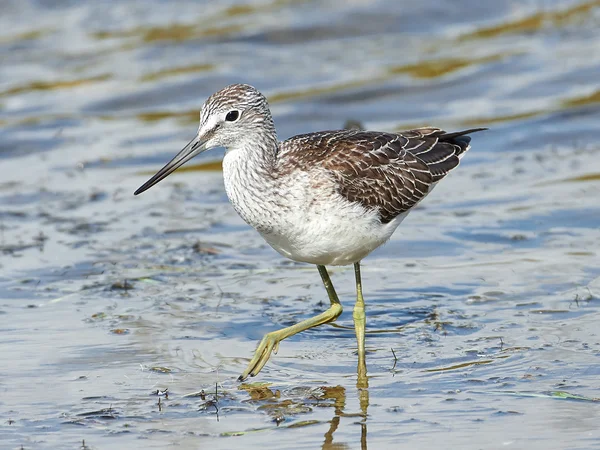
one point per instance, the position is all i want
(302, 216)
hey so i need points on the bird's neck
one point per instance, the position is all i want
(249, 182)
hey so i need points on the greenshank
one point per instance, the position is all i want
(324, 198)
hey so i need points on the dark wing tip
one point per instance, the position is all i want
(444, 135)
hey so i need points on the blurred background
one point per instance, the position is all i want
(482, 311)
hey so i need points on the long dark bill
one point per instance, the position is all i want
(194, 148)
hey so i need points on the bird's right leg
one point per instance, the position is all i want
(270, 343)
(359, 325)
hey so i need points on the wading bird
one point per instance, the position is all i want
(325, 198)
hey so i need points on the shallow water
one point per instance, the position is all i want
(482, 311)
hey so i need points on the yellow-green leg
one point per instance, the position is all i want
(270, 343)
(359, 326)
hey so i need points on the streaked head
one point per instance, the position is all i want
(227, 119)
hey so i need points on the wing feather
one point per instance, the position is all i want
(384, 171)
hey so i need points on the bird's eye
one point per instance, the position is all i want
(232, 116)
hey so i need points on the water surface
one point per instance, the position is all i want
(482, 310)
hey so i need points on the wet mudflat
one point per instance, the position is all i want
(126, 320)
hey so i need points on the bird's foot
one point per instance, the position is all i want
(269, 344)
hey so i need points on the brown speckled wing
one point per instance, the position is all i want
(384, 171)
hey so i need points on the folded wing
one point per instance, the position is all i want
(384, 171)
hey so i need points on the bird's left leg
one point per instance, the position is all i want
(359, 326)
(270, 343)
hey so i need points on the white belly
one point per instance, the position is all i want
(301, 215)
(336, 235)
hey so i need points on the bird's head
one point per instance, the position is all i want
(230, 118)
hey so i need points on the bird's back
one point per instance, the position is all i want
(387, 172)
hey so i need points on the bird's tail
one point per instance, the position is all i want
(460, 139)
